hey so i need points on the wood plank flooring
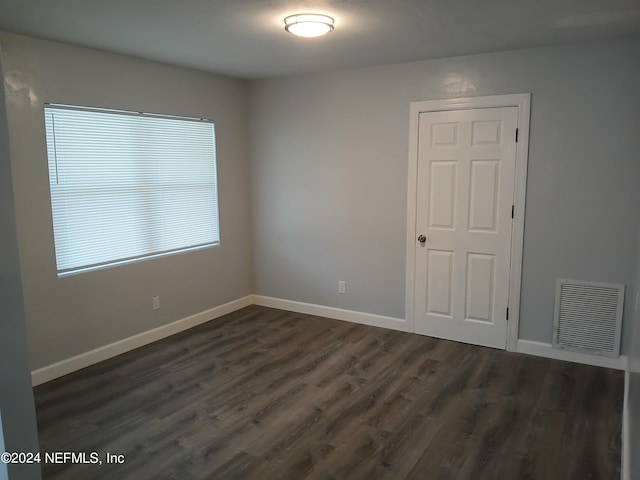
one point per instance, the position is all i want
(268, 394)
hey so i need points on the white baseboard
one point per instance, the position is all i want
(626, 449)
(86, 359)
(541, 349)
(83, 360)
(332, 312)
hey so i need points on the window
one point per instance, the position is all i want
(127, 186)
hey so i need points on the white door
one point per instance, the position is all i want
(465, 190)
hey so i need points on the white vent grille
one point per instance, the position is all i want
(588, 317)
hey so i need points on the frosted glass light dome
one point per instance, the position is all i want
(308, 24)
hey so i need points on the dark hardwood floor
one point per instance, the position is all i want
(268, 394)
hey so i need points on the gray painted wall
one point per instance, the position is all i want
(633, 399)
(329, 174)
(75, 314)
(16, 397)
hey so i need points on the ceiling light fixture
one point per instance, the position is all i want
(308, 24)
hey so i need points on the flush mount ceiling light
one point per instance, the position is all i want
(308, 24)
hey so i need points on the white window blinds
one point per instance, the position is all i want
(127, 186)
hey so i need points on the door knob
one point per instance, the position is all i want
(422, 239)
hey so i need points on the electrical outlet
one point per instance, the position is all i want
(156, 303)
(342, 286)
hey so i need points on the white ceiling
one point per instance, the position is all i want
(246, 38)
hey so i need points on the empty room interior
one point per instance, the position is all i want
(320, 240)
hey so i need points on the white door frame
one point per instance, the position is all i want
(523, 102)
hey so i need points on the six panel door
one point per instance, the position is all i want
(466, 174)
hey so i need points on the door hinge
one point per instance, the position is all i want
(513, 207)
(516, 135)
(507, 314)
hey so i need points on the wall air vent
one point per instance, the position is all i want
(588, 317)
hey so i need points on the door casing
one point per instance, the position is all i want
(523, 103)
